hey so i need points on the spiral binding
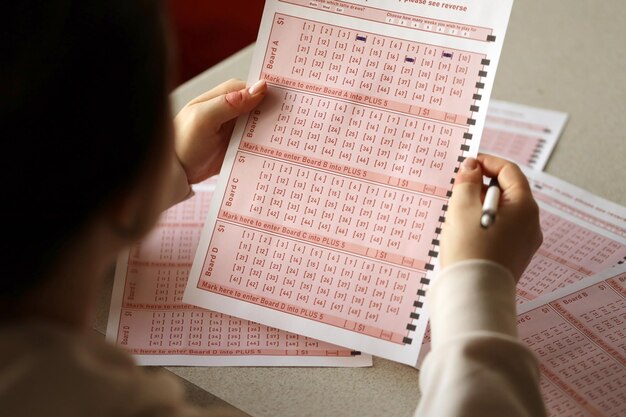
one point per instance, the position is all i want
(433, 252)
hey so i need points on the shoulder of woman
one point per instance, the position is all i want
(45, 367)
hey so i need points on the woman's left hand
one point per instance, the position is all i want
(204, 126)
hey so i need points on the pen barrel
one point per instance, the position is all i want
(492, 197)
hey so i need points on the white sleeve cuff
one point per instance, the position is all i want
(472, 296)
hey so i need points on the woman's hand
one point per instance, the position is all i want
(203, 127)
(515, 235)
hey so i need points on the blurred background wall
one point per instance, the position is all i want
(207, 31)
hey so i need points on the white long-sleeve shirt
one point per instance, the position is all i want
(477, 366)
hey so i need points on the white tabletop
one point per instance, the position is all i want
(565, 55)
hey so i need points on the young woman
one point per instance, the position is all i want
(91, 158)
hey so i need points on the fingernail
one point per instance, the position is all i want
(234, 98)
(256, 87)
(469, 163)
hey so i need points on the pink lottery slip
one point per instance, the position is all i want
(578, 336)
(335, 188)
(149, 319)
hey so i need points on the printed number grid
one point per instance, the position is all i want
(332, 210)
(389, 148)
(582, 352)
(351, 163)
(176, 235)
(336, 288)
(557, 402)
(420, 79)
(155, 321)
(427, 24)
(379, 223)
(616, 227)
(568, 253)
(523, 149)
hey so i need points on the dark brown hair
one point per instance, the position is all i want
(83, 97)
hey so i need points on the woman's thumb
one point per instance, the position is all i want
(229, 106)
(468, 184)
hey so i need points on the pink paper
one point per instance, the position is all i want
(334, 189)
(578, 336)
(149, 319)
(525, 135)
(583, 235)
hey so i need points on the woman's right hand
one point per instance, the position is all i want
(512, 239)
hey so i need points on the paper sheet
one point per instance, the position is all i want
(525, 135)
(578, 334)
(148, 318)
(583, 234)
(334, 189)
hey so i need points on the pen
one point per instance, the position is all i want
(490, 205)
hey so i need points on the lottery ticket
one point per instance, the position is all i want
(523, 134)
(578, 333)
(333, 191)
(583, 235)
(149, 319)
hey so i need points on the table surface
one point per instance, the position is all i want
(564, 55)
